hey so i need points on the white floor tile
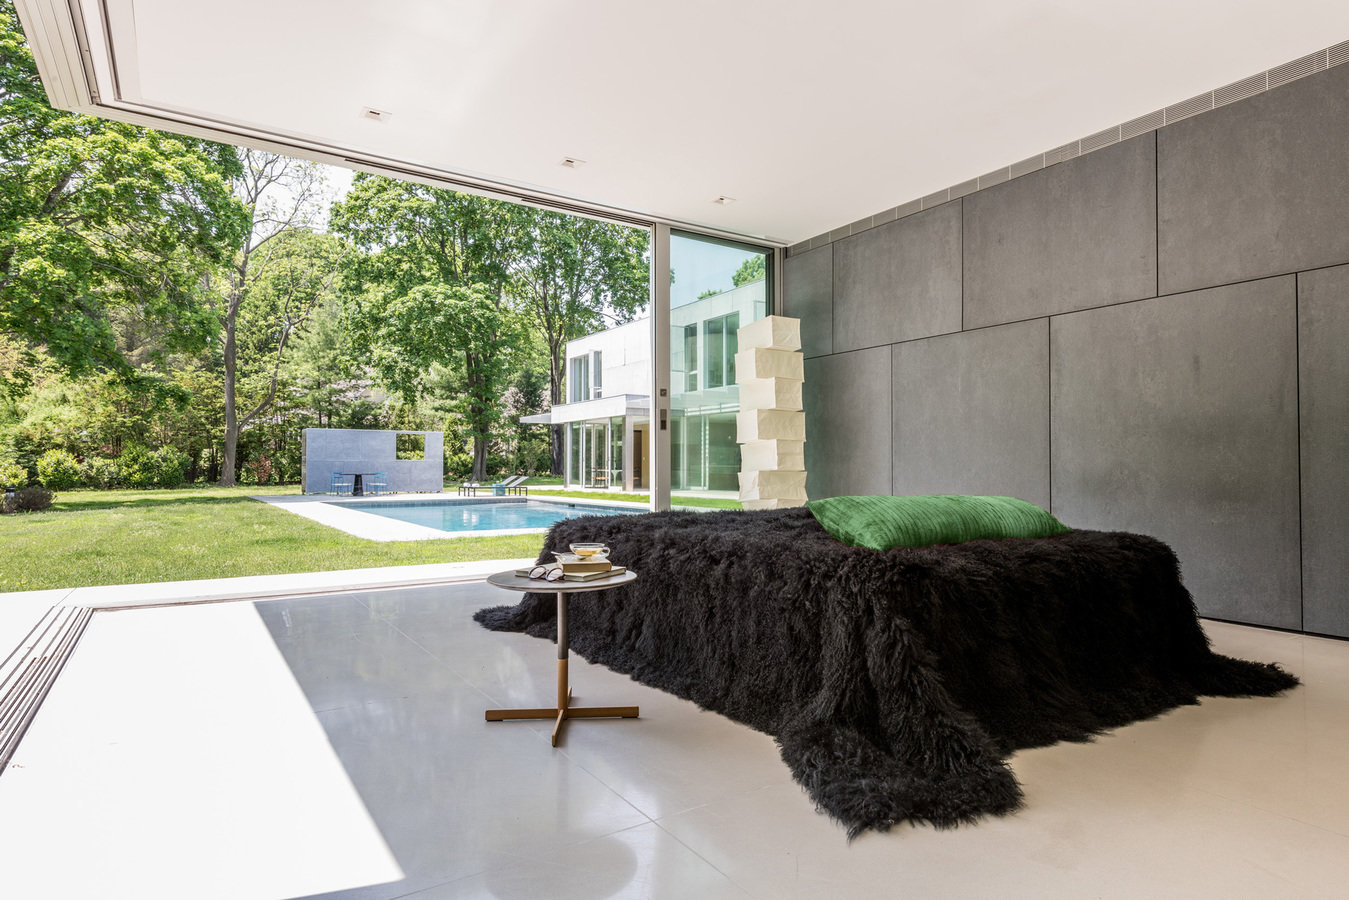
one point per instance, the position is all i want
(336, 747)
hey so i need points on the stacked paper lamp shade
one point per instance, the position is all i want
(771, 425)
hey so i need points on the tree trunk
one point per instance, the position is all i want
(479, 458)
(230, 354)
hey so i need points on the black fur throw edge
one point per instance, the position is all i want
(896, 683)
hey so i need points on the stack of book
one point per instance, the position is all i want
(581, 570)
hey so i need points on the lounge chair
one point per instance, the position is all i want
(516, 485)
(507, 486)
(470, 488)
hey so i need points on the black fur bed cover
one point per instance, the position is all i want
(895, 683)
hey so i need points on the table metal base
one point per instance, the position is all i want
(564, 710)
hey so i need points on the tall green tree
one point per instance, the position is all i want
(572, 276)
(413, 334)
(752, 269)
(97, 216)
(329, 382)
(434, 275)
(281, 271)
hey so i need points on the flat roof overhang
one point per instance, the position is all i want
(615, 407)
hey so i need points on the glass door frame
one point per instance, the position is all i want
(659, 459)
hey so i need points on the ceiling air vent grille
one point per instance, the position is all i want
(1298, 68)
(1240, 90)
(965, 187)
(992, 178)
(1186, 108)
(882, 218)
(1062, 154)
(1101, 139)
(862, 225)
(908, 209)
(1026, 166)
(1338, 54)
(1142, 125)
(936, 199)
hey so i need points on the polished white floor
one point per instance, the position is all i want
(335, 746)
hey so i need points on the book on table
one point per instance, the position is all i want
(588, 571)
(593, 576)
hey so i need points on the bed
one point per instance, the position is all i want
(896, 683)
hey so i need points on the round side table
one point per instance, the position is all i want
(564, 710)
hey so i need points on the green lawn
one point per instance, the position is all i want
(133, 537)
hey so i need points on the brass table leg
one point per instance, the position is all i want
(564, 709)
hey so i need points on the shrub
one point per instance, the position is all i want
(100, 472)
(138, 468)
(458, 464)
(170, 466)
(29, 499)
(12, 475)
(58, 470)
(261, 469)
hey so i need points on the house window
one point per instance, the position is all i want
(691, 357)
(722, 341)
(578, 378)
(597, 370)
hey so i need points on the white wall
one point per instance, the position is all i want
(626, 359)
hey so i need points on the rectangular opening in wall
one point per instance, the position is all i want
(410, 445)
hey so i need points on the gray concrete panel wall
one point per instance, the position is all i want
(367, 451)
(899, 281)
(1323, 363)
(1185, 416)
(1074, 236)
(847, 403)
(1177, 418)
(1257, 188)
(971, 413)
(808, 295)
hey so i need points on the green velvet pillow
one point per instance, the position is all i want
(882, 523)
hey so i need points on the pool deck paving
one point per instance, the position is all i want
(344, 514)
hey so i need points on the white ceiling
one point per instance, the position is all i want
(810, 114)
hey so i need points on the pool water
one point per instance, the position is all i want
(468, 515)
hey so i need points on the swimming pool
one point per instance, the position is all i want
(479, 515)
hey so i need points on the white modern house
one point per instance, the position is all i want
(607, 416)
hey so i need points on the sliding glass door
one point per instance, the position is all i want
(716, 286)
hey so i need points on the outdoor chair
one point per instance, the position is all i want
(378, 483)
(339, 484)
(470, 488)
(516, 485)
(509, 486)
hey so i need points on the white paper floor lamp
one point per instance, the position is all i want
(771, 426)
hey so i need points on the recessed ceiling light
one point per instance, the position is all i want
(571, 162)
(724, 200)
(379, 115)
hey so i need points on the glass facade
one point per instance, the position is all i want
(718, 287)
(595, 453)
